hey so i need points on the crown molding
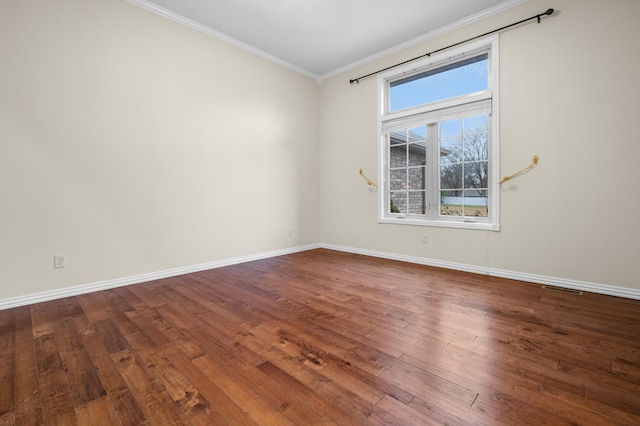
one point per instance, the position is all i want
(220, 36)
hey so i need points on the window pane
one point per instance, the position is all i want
(475, 175)
(397, 138)
(398, 179)
(417, 202)
(475, 139)
(451, 176)
(417, 155)
(417, 145)
(451, 203)
(475, 203)
(417, 178)
(460, 78)
(451, 150)
(475, 147)
(398, 156)
(451, 141)
(398, 202)
(417, 134)
(450, 128)
(475, 124)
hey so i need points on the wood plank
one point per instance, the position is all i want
(293, 405)
(342, 399)
(32, 418)
(306, 395)
(28, 402)
(57, 403)
(125, 405)
(97, 412)
(242, 395)
(399, 413)
(222, 409)
(150, 395)
(84, 382)
(81, 375)
(175, 384)
(110, 336)
(7, 365)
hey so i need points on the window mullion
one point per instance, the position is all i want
(433, 166)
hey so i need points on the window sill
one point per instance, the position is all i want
(485, 226)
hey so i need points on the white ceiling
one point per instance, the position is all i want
(322, 37)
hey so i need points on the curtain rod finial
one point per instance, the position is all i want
(548, 12)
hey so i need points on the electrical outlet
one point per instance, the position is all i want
(59, 261)
(425, 238)
(290, 232)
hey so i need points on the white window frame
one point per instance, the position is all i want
(466, 105)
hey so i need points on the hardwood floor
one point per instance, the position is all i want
(323, 338)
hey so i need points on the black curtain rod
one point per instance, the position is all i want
(538, 16)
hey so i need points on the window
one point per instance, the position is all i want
(438, 140)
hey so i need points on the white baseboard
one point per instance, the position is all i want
(46, 296)
(609, 290)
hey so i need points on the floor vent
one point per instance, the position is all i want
(562, 290)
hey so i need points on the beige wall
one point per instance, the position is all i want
(133, 144)
(569, 93)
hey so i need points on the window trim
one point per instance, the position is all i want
(388, 120)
